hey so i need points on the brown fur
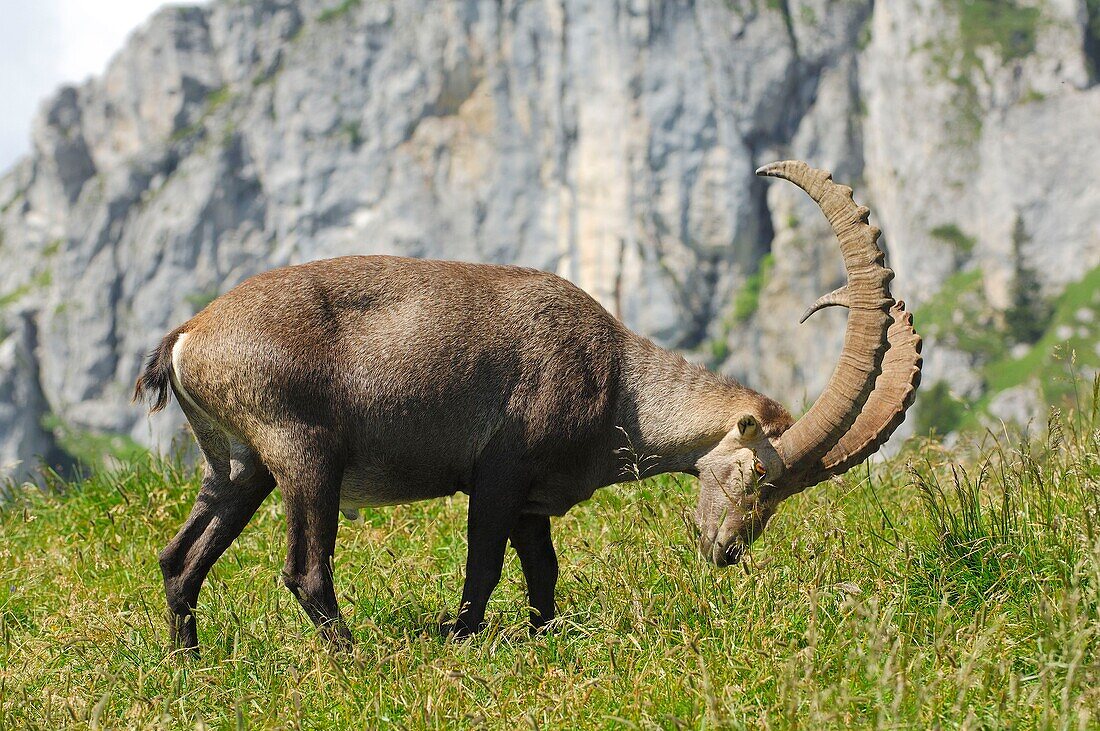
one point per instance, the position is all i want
(377, 380)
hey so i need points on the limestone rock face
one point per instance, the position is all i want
(612, 142)
(22, 402)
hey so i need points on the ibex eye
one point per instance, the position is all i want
(759, 467)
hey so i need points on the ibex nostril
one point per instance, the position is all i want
(734, 552)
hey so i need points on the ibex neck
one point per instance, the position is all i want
(673, 411)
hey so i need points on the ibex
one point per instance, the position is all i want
(377, 380)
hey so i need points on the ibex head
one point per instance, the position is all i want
(764, 459)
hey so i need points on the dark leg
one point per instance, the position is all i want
(494, 509)
(221, 511)
(312, 499)
(531, 539)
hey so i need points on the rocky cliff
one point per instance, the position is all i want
(612, 142)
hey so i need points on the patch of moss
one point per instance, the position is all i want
(200, 299)
(353, 132)
(938, 411)
(863, 39)
(215, 100)
(1032, 97)
(718, 349)
(18, 196)
(748, 298)
(951, 234)
(1092, 37)
(9, 297)
(42, 279)
(52, 248)
(339, 11)
(90, 448)
(1007, 26)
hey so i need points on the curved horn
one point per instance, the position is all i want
(884, 411)
(868, 299)
(885, 408)
(837, 298)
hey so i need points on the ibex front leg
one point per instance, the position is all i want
(531, 539)
(499, 492)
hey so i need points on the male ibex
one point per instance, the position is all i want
(380, 380)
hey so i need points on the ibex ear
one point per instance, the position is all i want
(748, 428)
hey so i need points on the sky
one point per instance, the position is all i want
(44, 43)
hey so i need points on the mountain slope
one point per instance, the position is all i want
(613, 143)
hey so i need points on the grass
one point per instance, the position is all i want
(1092, 36)
(747, 300)
(90, 449)
(199, 299)
(215, 100)
(933, 590)
(335, 13)
(1066, 338)
(1007, 27)
(962, 318)
(951, 234)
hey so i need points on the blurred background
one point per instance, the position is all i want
(611, 142)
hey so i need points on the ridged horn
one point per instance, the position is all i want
(894, 392)
(868, 299)
(837, 298)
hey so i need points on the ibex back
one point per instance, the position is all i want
(366, 381)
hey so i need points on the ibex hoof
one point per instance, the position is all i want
(458, 629)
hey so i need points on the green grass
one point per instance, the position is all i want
(1065, 345)
(1052, 359)
(1092, 36)
(90, 449)
(215, 100)
(339, 11)
(747, 300)
(951, 234)
(960, 316)
(931, 591)
(1007, 27)
(199, 299)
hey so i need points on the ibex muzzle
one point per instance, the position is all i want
(380, 380)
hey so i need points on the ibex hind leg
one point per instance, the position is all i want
(226, 502)
(311, 495)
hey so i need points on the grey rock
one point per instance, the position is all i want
(22, 403)
(613, 143)
(1020, 405)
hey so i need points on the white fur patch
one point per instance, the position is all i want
(177, 373)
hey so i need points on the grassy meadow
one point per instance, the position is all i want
(940, 589)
